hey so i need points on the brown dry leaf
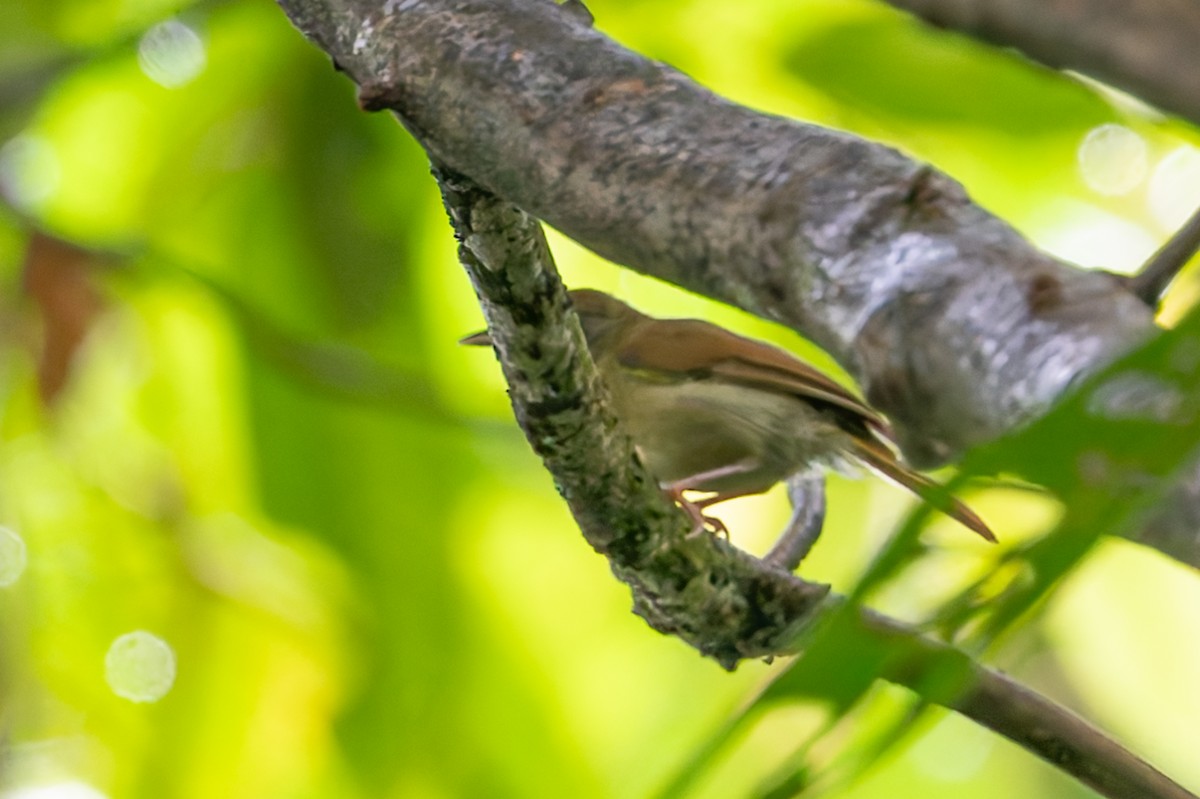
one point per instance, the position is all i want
(57, 277)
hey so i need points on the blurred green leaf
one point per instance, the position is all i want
(1111, 450)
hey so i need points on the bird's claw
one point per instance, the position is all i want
(700, 522)
(695, 510)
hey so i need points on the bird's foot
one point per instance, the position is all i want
(695, 512)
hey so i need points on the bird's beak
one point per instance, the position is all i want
(480, 339)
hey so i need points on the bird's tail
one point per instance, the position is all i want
(881, 460)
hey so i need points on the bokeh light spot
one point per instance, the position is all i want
(1112, 159)
(56, 790)
(30, 172)
(13, 557)
(140, 667)
(1174, 191)
(952, 751)
(171, 54)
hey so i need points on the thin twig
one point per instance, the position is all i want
(807, 495)
(1005, 706)
(1151, 282)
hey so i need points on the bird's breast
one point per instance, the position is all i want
(693, 425)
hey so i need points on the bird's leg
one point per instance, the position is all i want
(700, 522)
(695, 508)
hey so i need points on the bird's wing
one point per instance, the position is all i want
(691, 346)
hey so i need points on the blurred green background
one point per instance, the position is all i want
(233, 415)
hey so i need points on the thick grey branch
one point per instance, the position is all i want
(1146, 47)
(954, 324)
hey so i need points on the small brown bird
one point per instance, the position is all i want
(713, 412)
